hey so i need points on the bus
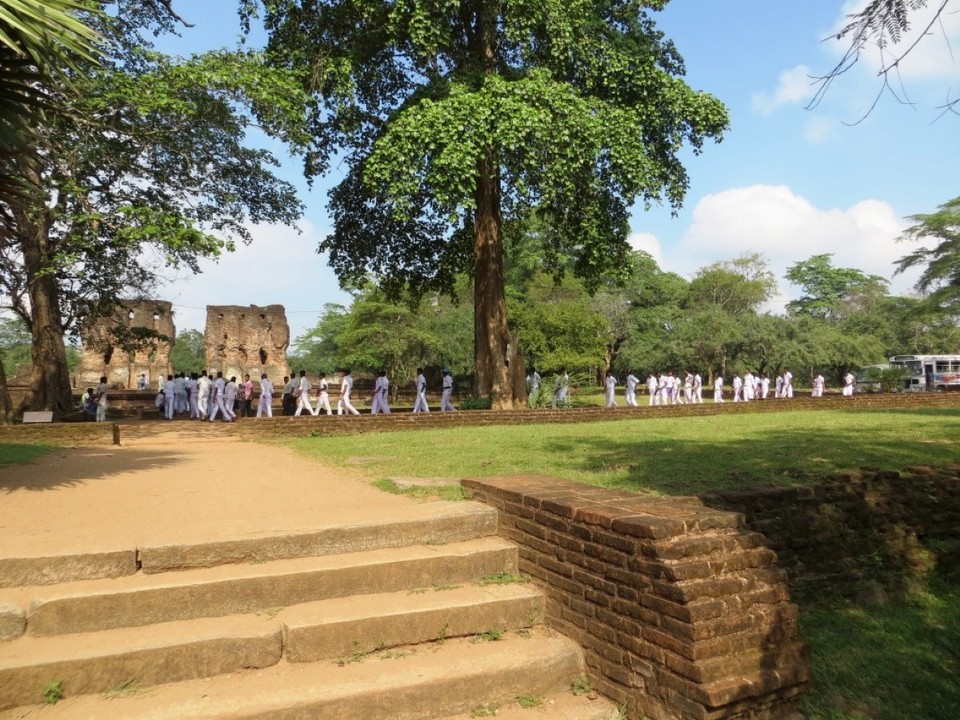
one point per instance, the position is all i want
(930, 372)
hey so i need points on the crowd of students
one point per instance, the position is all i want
(203, 397)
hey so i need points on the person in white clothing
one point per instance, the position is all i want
(778, 387)
(749, 386)
(611, 390)
(265, 405)
(561, 389)
(169, 397)
(653, 389)
(381, 388)
(447, 390)
(192, 390)
(688, 386)
(848, 382)
(230, 399)
(533, 386)
(346, 388)
(180, 404)
(737, 388)
(718, 389)
(302, 393)
(764, 386)
(697, 388)
(215, 402)
(420, 404)
(630, 396)
(818, 385)
(323, 395)
(203, 394)
(787, 391)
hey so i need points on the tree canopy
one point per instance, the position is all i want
(940, 278)
(148, 168)
(453, 117)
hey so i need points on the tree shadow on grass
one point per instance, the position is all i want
(72, 467)
(788, 458)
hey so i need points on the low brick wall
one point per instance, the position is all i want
(62, 434)
(682, 613)
(873, 523)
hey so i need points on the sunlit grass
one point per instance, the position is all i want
(682, 455)
(16, 453)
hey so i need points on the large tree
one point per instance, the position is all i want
(451, 117)
(147, 168)
(940, 278)
(832, 293)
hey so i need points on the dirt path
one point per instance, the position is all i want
(176, 487)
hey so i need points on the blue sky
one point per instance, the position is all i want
(785, 181)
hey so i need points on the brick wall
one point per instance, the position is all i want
(682, 613)
(891, 525)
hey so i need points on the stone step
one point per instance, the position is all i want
(344, 629)
(338, 629)
(137, 600)
(422, 523)
(424, 682)
(558, 706)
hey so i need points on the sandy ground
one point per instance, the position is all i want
(176, 486)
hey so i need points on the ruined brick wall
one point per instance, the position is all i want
(682, 613)
(103, 357)
(883, 523)
(241, 340)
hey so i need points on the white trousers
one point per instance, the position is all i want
(445, 404)
(421, 404)
(265, 406)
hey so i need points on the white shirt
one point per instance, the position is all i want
(266, 387)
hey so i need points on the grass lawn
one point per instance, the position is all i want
(894, 662)
(12, 453)
(685, 455)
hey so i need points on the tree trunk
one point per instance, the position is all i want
(6, 406)
(50, 380)
(492, 346)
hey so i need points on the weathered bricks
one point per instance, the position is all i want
(681, 611)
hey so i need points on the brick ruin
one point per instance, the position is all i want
(241, 340)
(682, 612)
(103, 356)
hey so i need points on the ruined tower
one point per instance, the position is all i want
(250, 340)
(107, 343)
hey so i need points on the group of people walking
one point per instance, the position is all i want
(669, 389)
(204, 396)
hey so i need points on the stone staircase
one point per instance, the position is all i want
(424, 621)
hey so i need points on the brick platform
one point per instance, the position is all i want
(681, 611)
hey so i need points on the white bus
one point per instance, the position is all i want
(930, 372)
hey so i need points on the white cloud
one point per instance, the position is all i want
(280, 266)
(793, 86)
(819, 128)
(648, 243)
(787, 228)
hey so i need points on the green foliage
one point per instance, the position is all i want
(940, 277)
(148, 158)
(581, 686)
(52, 692)
(831, 293)
(889, 378)
(529, 701)
(189, 353)
(452, 118)
(733, 286)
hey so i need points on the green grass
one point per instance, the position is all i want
(896, 661)
(684, 455)
(17, 453)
